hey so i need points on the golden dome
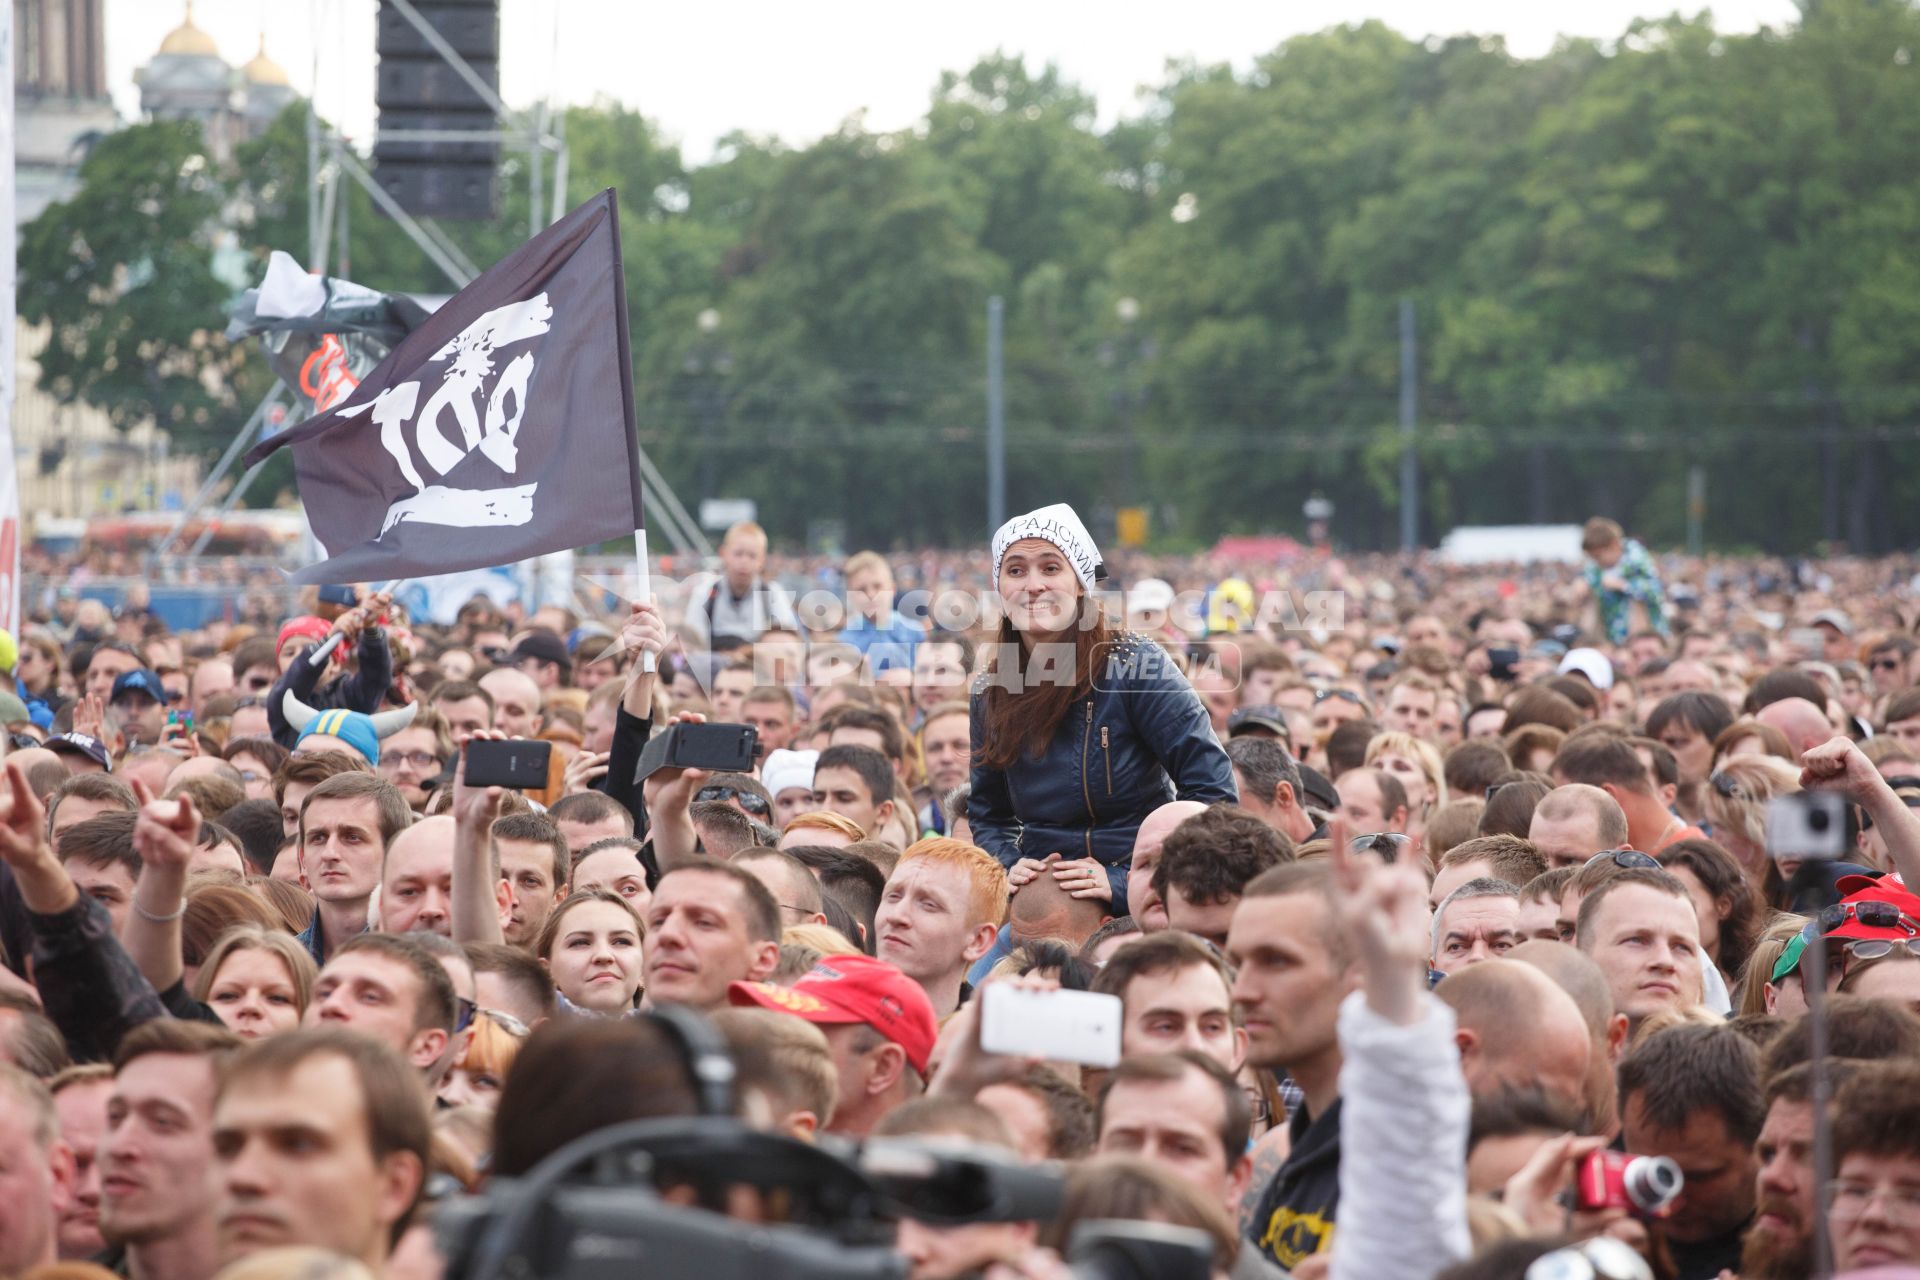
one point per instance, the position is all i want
(189, 39)
(262, 69)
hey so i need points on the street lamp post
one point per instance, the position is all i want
(1319, 513)
(1124, 352)
(708, 362)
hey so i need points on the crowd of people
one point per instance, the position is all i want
(1379, 921)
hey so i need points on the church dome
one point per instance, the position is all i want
(189, 39)
(264, 70)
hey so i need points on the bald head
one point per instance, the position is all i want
(1573, 822)
(1516, 1028)
(1805, 725)
(1044, 909)
(28, 757)
(1574, 973)
(1143, 904)
(1159, 824)
(416, 880)
(516, 701)
(1581, 979)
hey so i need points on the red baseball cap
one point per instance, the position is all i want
(1850, 886)
(840, 990)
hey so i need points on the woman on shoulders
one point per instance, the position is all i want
(1079, 731)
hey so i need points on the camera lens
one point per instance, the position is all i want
(1652, 1182)
(1817, 820)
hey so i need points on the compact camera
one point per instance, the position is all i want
(1809, 825)
(1645, 1186)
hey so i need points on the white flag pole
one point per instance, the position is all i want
(645, 593)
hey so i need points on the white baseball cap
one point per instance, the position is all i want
(1590, 663)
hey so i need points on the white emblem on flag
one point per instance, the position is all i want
(492, 426)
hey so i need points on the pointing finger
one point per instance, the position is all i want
(25, 807)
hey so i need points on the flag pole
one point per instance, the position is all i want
(645, 593)
(332, 642)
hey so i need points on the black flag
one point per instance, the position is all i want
(501, 428)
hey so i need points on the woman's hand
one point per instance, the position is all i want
(1084, 878)
(1027, 869)
(1534, 1192)
(585, 769)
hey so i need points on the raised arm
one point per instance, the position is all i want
(367, 687)
(1404, 1102)
(90, 988)
(644, 633)
(479, 895)
(1840, 765)
(164, 836)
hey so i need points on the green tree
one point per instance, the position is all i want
(122, 277)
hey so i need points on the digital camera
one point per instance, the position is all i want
(1645, 1186)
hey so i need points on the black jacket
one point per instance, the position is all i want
(360, 691)
(1296, 1210)
(630, 734)
(1140, 739)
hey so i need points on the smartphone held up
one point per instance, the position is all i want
(519, 764)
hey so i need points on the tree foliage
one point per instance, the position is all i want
(1681, 248)
(119, 275)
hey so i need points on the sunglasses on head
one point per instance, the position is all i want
(1875, 948)
(505, 1021)
(1627, 859)
(1388, 844)
(1601, 1258)
(752, 803)
(1726, 786)
(1346, 694)
(1872, 914)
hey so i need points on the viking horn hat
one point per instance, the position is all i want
(358, 730)
(385, 723)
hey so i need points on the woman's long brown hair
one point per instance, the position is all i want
(1023, 722)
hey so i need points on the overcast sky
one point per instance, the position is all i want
(798, 70)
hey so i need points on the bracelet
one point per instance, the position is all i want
(168, 918)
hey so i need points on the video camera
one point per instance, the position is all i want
(708, 1197)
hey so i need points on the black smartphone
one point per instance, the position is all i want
(722, 748)
(1501, 663)
(519, 763)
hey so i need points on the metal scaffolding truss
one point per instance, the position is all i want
(330, 162)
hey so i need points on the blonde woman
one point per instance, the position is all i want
(1734, 802)
(1416, 764)
(258, 980)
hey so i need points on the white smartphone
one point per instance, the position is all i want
(1056, 1026)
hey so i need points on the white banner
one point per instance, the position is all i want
(9, 484)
